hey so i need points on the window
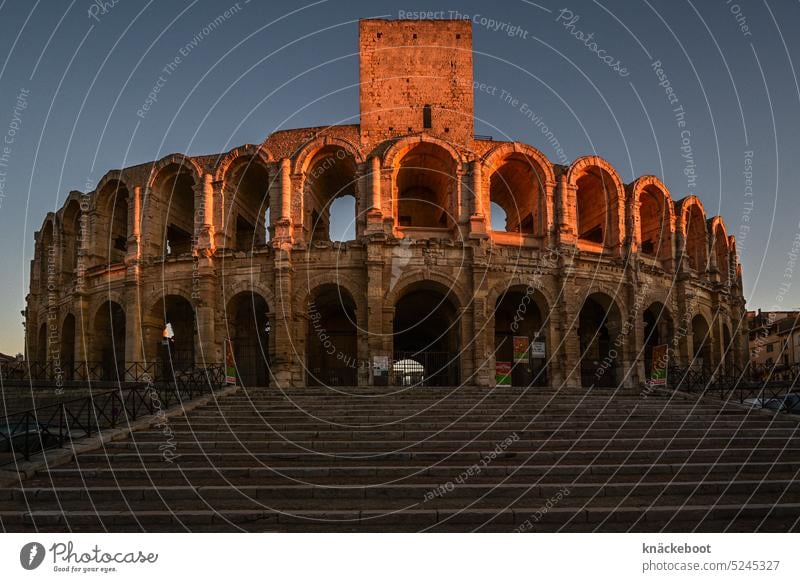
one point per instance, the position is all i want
(426, 117)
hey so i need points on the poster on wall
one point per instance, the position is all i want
(537, 350)
(230, 363)
(502, 373)
(380, 365)
(521, 345)
(658, 373)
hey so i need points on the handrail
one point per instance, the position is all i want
(50, 426)
(750, 381)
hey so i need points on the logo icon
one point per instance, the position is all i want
(31, 555)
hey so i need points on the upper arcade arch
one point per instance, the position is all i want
(599, 203)
(171, 205)
(329, 174)
(653, 217)
(694, 231)
(520, 181)
(719, 247)
(112, 201)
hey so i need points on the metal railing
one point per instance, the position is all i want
(734, 383)
(50, 426)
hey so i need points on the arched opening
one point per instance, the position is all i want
(519, 338)
(248, 330)
(343, 213)
(330, 177)
(170, 333)
(696, 249)
(47, 258)
(72, 238)
(721, 253)
(658, 337)
(701, 343)
(332, 340)
(112, 235)
(248, 188)
(600, 341)
(516, 187)
(41, 344)
(175, 215)
(67, 347)
(597, 208)
(426, 338)
(654, 227)
(426, 184)
(108, 347)
(728, 350)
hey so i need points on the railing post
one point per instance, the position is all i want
(27, 434)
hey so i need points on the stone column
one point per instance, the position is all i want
(283, 225)
(204, 215)
(565, 214)
(375, 340)
(374, 211)
(477, 218)
(134, 350)
(208, 347)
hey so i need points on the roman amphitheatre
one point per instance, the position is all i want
(432, 348)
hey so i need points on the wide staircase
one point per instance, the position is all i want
(432, 459)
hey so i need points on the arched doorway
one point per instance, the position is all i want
(601, 349)
(41, 344)
(426, 338)
(426, 183)
(696, 241)
(701, 344)
(728, 350)
(67, 348)
(247, 184)
(249, 329)
(170, 332)
(332, 338)
(109, 341)
(519, 338)
(172, 200)
(331, 194)
(597, 209)
(516, 190)
(658, 331)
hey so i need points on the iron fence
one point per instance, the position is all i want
(26, 432)
(749, 382)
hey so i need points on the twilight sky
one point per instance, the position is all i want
(695, 92)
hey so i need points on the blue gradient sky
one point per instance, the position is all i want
(266, 68)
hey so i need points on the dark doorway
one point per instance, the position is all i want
(249, 329)
(518, 337)
(332, 352)
(598, 328)
(426, 340)
(109, 328)
(657, 331)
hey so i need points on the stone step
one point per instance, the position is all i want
(678, 517)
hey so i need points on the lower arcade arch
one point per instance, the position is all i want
(658, 337)
(249, 333)
(601, 349)
(67, 347)
(701, 343)
(519, 338)
(108, 350)
(171, 333)
(427, 338)
(332, 338)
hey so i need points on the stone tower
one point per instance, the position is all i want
(416, 75)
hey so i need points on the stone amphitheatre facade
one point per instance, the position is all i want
(236, 246)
